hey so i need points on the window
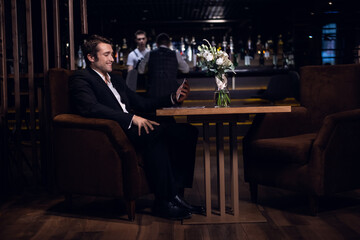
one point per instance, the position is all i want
(328, 52)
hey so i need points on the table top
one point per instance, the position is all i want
(201, 110)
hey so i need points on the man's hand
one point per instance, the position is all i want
(143, 122)
(130, 68)
(183, 91)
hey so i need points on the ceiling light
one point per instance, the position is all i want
(215, 12)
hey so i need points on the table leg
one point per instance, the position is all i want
(207, 172)
(249, 212)
(234, 168)
(221, 166)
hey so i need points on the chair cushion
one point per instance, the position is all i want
(294, 149)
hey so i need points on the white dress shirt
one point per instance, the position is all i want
(114, 91)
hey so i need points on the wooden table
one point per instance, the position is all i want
(232, 115)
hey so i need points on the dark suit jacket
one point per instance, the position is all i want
(91, 97)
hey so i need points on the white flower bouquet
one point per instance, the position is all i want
(218, 63)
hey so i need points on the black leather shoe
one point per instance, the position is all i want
(191, 208)
(170, 210)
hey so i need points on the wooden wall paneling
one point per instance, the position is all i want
(83, 13)
(30, 55)
(3, 107)
(56, 19)
(45, 41)
(4, 97)
(43, 144)
(46, 152)
(15, 40)
(71, 34)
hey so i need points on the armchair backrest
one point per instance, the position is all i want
(329, 89)
(59, 91)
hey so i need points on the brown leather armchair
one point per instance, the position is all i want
(314, 149)
(92, 156)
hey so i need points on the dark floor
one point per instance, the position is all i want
(34, 213)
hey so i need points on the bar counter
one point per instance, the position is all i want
(242, 71)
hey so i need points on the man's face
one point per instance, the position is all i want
(141, 40)
(104, 60)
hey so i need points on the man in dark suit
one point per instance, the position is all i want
(162, 65)
(168, 149)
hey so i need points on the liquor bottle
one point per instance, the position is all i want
(224, 44)
(189, 54)
(182, 48)
(124, 45)
(289, 52)
(121, 58)
(125, 51)
(271, 47)
(285, 61)
(213, 43)
(84, 63)
(231, 49)
(258, 57)
(154, 46)
(188, 51)
(261, 59)
(172, 45)
(241, 55)
(247, 58)
(194, 51)
(267, 51)
(272, 54)
(235, 59)
(290, 60)
(117, 53)
(267, 54)
(250, 47)
(80, 58)
(67, 57)
(248, 53)
(258, 45)
(218, 47)
(280, 51)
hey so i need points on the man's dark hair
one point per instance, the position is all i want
(163, 39)
(90, 46)
(138, 32)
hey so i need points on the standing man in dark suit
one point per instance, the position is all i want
(168, 149)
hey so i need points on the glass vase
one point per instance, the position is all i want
(222, 94)
(222, 98)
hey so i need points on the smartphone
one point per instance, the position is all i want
(178, 97)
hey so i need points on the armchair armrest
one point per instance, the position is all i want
(335, 125)
(110, 127)
(273, 125)
(335, 152)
